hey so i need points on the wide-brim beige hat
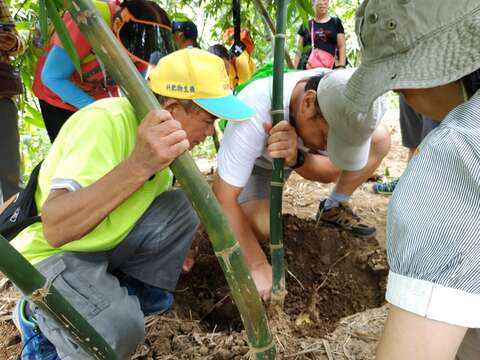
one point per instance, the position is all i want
(408, 44)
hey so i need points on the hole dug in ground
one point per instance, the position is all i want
(330, 274)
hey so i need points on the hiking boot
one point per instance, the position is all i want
(152, 300)
(343, 217)
(35, 346)
(385, 188)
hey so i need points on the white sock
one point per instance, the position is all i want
(335, 199)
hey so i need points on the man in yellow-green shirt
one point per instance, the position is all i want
(111, 227)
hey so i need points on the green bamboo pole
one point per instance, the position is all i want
(276, 230)
(35, 287)
(191, 179)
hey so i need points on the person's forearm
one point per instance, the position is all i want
(68, 216)
(71, 94)
(56, 76)
(241, 228)
(244, 234)
(298, 53)
(318, 168)
(342, 56)
(296, 60)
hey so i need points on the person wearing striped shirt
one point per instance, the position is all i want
(429, 52)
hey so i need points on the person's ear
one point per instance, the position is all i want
(170, 105)
(177, 35)
(174, 107)
(309, 102)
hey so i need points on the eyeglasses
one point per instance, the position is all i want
(142, 38)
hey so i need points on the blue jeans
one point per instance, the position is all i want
(153, 253)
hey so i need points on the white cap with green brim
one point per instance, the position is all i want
(411, 44)
(349, 131)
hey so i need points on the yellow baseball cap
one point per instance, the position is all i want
(200, 76)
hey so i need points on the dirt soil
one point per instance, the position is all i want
(330, 275)
(335, 304)
(323, 264)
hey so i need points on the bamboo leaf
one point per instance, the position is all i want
(22, 25)
(290, 10)
(60, 4)
(307, 7)
(63, 34)
(35, 121)
(179, 17)
(34, 117)
(43, 19)
(305, 10)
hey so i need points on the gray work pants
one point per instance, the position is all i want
(9, 149)
(153, 252)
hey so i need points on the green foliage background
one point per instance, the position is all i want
(214, 16)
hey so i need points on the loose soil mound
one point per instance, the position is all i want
(330, 275)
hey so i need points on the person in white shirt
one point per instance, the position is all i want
(313, 103)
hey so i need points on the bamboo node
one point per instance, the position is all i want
(258, 350)
(276, 246)
(276, 112)
(225, 253)
(277, 183)
(280, 35)
(279, 295)
(40, 294)
(84, 15)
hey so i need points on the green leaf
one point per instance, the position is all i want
(179, 17)
(43, 19)
(290, 10)
(35, 120)
(305, 10)
(306, 7)
(33, 116)
(23, 25)
(60, 4)
(63, 34)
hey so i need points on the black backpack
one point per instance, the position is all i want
(22, 212)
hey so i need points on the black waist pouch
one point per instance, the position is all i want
(22, 212)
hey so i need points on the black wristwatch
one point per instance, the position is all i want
(300, 159)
